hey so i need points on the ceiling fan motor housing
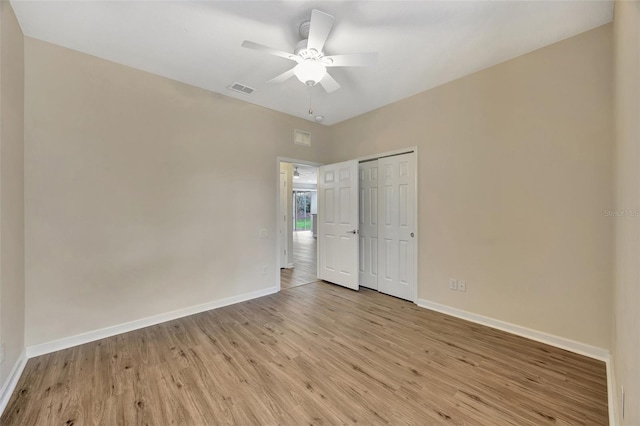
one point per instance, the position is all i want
(305, 53)
(303, 29)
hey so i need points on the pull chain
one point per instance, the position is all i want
(310, 109)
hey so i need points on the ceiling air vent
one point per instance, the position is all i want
(241, 88)
(301, 138)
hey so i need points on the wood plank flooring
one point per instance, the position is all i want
(314, 354)
(304, 259)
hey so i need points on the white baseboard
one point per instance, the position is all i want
(80, 339)
(612, 394)
(12, 381)
(539, 336)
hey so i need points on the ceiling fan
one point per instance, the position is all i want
(312, 64)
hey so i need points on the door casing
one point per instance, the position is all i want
(416, 252)
(279, 212)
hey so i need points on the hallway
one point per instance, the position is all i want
(304, 259)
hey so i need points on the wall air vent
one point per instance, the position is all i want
(241, 88)
(301, 138)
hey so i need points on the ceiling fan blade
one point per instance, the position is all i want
(353, 60)
(282, 77)
(319, 28)
(269, 50)
(329, 83)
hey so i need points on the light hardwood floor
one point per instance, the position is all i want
(314, 354)
(304, 259)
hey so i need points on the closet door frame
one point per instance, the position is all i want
(416, 253)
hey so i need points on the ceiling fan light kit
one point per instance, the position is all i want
(310, 72)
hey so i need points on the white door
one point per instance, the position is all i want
(396, 232)
(369, 224)
(283, 221)
(338, 224)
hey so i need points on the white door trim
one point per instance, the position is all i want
(416, 209)
(278, 209)
(389, 153)
(282, 235)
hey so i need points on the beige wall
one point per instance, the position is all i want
(626, 301)
(514, 177)
(12, 288)
(143, 195)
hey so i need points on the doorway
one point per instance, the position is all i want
(365, 222)
(302, 209)
(298, 206)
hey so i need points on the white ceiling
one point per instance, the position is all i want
(421, 44)
(308, 174)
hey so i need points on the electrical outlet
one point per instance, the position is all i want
(264, 270)
(453, 284)
(264, 233)
(1, 353)
(462, 285)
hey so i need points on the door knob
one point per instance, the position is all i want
(355, 231)
(412, 235)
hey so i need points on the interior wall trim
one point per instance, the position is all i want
(539, 336)
(12, 380)
(80, 339)
(612, 394)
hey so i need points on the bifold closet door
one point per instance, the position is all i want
(396, 231)
(369, 224)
